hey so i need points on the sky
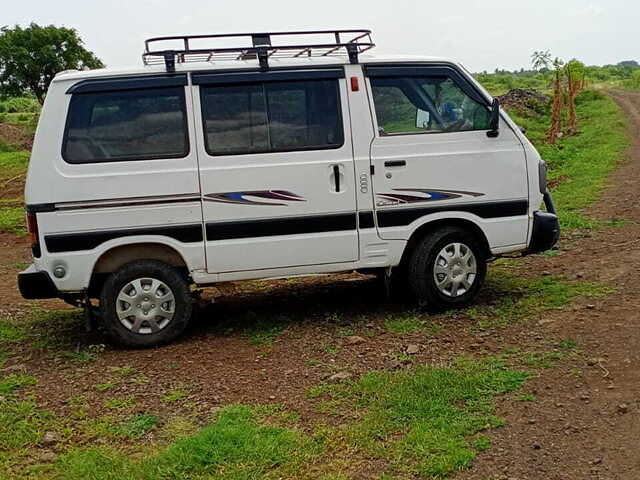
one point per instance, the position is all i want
(482, 34)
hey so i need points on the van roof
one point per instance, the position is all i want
(251, 64)
(250, 51)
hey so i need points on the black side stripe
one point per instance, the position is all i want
(71, 242)
(192, 233)
(365, 220)
(396, 217)
(272, 227)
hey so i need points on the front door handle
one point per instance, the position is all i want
(395, 163)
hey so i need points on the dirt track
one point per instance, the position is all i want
(586, 421)
(584, 424)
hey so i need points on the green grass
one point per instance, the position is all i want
(13, 382)
(236, 446)
(120, 403)
(264, 332)
(423, 422)
(21, 425)
(175, 395)
(513, 297)
(12, 220)
(582, 162)
(13, 163)
(411, 323)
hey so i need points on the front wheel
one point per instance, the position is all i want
(145, 303)
(447, 269)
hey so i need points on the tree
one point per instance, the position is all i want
(575, 74)
(558, 103)
(30, 57)
(540, 60)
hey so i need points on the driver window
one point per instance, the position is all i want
(407, 105)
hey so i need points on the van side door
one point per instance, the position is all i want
(433, 158)
(276, 169)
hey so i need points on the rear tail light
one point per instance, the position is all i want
(32, 228)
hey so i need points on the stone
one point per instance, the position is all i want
(354, 340)
(47, 457)
(536, 446)
(413, 349)
(49, 438)
(623, 408)
(591, 306)
(340, 376)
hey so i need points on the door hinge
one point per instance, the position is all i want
(372, 169)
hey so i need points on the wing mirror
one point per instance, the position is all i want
(494, 120)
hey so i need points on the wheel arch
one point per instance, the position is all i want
(115, 257)
(430, 226)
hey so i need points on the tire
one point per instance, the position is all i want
(443, 279)
(147, 283)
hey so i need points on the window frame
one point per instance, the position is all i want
(133, 85)
(421, 71)
(261, 79)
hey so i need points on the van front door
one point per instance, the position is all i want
(276, 169)
(433, 158)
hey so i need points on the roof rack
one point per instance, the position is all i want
(341, 42)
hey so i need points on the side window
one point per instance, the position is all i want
(271, 117)
(126, 125)
(427, 104)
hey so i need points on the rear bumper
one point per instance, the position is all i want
(34, 284)
(546, 232)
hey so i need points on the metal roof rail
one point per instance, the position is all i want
(349, 42)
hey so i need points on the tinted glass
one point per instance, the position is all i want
(127, 125)
(425, 105)
(272, 116)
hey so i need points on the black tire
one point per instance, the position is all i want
(423, 262)
(146, 269)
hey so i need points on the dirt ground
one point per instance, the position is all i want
(584, 424)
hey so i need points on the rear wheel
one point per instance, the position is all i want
(447, 268)
(145, 303)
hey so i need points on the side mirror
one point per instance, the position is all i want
(494, 120)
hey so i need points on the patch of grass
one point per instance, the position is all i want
(482, 443)
(411, 323)
(12, 382)
(535, 359)
(527, 397)
(264, 332)
(175, 395)
(21, 424)
(423, 421)
(568, 344)
(13, 164)
(12, 220)
(132, 428)
(79, 356)
(513, 297)
(10, 333)
(583, 161)
(103, 387)
(236, 446)
(118, 403)
(123, 372)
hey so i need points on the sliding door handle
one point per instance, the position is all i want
(395, 163)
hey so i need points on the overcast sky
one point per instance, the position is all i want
(482, 34)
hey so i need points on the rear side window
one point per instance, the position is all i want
(126, 125)
(271, 117)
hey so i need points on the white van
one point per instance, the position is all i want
(292, 154)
